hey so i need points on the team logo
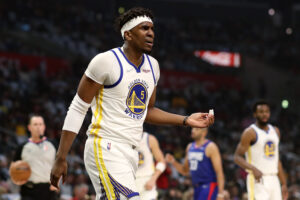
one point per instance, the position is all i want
(141, 158)
(269, 149)
(136, 100)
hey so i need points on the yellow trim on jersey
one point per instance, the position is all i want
(108, 187)
(251, 176)
(251, 192)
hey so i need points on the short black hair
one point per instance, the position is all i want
(258, 103)
(34, 115)
(130, 14)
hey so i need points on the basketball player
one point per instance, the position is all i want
(147, 172)
(39, 153)
(203, 163)
(120, 86)
(260, 144)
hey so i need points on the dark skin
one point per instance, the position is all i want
(138, 40)
(262, 115)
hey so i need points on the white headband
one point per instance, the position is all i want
(134, 22)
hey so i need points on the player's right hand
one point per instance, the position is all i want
(169, 158)
(59, 170)
(257, 174)
(200, 120)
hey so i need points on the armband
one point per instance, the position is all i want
(160, 166)
(184, 120)
(75, 115)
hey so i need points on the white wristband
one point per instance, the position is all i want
(75, 115)
(160, 166)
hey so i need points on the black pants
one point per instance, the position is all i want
(40, 191)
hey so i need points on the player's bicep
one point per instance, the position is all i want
(186, 165)
(152, 99)
(247, 137)
(277, 131)
(88, 89)
(215, 156)
(156, 151)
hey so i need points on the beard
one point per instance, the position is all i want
(262, 123)
(147, 51)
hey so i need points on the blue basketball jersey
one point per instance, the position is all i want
(201, 168)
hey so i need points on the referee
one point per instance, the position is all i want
(39, 153)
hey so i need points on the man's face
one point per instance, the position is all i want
(142, 37)
(262, 114)
(197, 133)
(36, 126)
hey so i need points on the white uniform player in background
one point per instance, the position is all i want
(148, 172)
(120, 87)
(260, 145)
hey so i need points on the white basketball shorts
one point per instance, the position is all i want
(145, 194)
(111, 167)
(267, 189)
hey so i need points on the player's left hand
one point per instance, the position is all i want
(150, 184)
(285, 192)
(52, 188)
(200, 120)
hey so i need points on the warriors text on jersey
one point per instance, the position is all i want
(263, 154)
(120, 107)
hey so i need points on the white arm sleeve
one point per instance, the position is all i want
(75, 115)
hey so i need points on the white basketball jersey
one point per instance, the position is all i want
(146, 162)
(264, 153)
(120, 108)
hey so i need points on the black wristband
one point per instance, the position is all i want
(184, 120)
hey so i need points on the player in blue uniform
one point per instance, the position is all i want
(203, 163)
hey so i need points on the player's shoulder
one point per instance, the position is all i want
(152, 138)
(212, 144)
(188, 147)
(104, 56)
(249, 130)
(153, 60)
(249, 134)
(276, 129)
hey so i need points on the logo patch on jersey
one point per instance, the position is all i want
(269, 149)
(136, 99)
(108, 146)
(146, 70)
(141, 158)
